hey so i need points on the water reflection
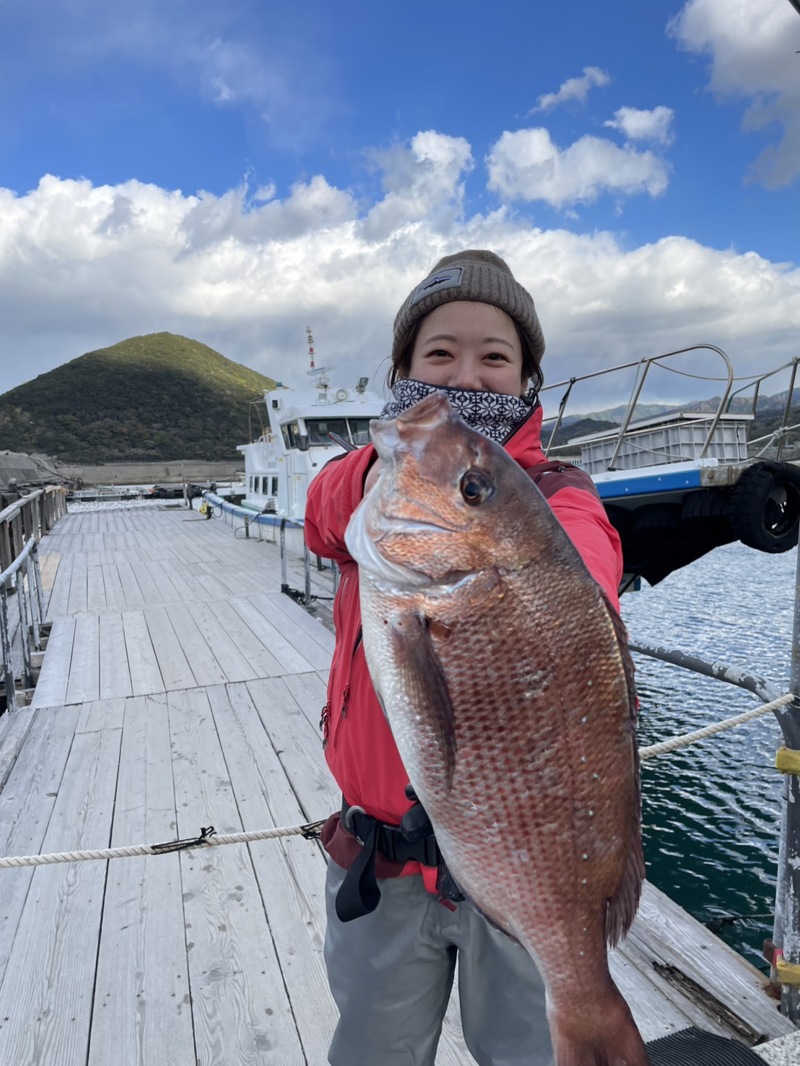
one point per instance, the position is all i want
(712, 811)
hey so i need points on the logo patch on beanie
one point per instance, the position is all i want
(442, 279)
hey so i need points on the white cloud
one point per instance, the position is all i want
(574, 89)
(85, 266)
(639, 125)
(422, 181)
(752, 49)
(526, 165)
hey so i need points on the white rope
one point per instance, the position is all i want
(686, 739)
(208, 839)
(205, 840)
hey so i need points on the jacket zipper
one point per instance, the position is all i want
(346, 693)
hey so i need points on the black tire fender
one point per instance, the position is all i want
(765, 506)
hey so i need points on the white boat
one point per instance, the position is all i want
(299, 431)
(684, 481)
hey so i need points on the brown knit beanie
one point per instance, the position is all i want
(478, 276)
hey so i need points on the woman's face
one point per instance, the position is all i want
(465, 345)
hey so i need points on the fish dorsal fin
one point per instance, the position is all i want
(425, 682)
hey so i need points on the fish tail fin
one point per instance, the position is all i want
(609, 1038)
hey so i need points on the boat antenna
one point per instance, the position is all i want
(318, 374)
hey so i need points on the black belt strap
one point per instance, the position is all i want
(359, 894)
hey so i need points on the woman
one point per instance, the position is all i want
(397, 926)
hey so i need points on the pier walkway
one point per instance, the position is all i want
(181, 689)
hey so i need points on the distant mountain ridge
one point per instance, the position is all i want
(767, 405)
(768, 416)
(155, 397)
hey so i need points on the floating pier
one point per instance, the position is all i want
(180, 689)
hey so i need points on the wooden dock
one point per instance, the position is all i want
(181, 689)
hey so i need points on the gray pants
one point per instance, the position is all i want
(391, 973)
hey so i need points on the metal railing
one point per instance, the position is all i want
(22, 611)
(642, 370)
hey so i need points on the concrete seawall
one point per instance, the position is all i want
(173, 472)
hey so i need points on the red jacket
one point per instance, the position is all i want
(359, 747)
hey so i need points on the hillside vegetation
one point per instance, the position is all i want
(156, 397)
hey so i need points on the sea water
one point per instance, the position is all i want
(712, 811)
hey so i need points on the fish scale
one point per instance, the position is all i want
(507, 684)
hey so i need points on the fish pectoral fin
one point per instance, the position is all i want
(426, 683)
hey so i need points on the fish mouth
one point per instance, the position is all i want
(363, 548)
(388, 575)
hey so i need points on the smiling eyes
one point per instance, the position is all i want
(492, 357)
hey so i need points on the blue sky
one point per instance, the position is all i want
(236, 172)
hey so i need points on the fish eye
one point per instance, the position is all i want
(476, 487)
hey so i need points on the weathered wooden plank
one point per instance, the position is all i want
(241, 1010)
(26, 803)
(100, 714)
(142, 993)
(317, 646)
(291, 873)
(128, 580)
(115, 594)
(115, 673)
(13, 731)
(46, 996)
(48, 568)
(58, 601)
(172, 662)
(142, 660)
(84, 675)
(303, 625)
(226, 650)
(675, 942)
(78, 585)
(310, 691)
(95, 586)
(151, 593)
(170, 590)
(200, 656)
(51, 688)
(299, 745)
(260, 658)
(290, 658)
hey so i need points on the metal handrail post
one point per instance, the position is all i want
(307, 573)
(786, 412)
(284, 568)
(8, 667)
(37, 574)
(561, 408)
(635, 394)
(36, 616)
(24, 631)
(786, 935)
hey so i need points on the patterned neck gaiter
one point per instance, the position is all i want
(494, 414)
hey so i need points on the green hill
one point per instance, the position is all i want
(156, 397)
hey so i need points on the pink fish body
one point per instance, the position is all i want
(507, 684)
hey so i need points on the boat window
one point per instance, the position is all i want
(258, 484)
(291, 435)
(274, 487)
(359, 430)
(252, 483)
(319, 428)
